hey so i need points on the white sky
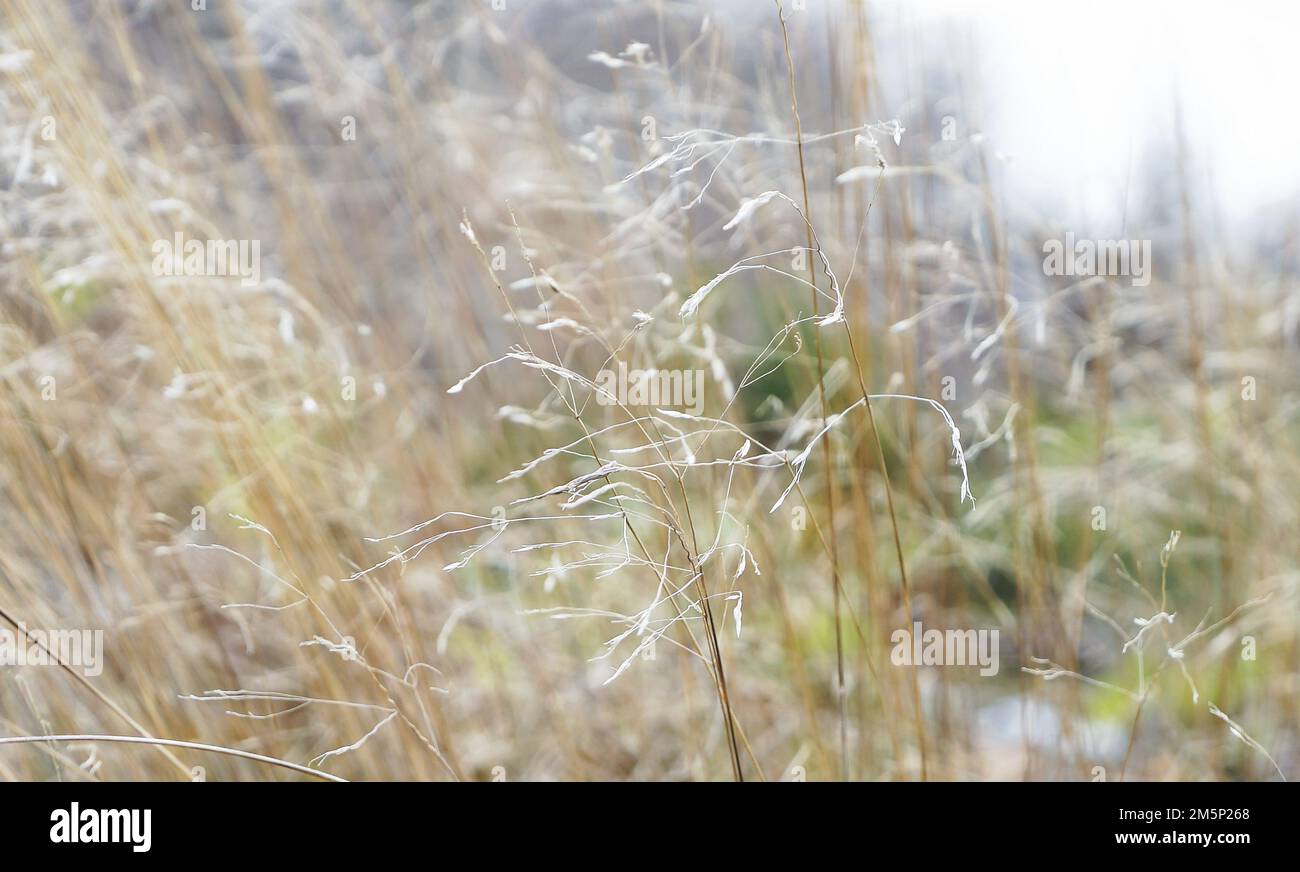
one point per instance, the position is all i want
(1072, 91)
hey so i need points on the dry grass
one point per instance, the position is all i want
(373, 515)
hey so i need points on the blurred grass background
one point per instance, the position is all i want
(279, 427)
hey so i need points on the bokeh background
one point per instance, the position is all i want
(218, 476)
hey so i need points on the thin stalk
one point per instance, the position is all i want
(875, 433)
(841, 698)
